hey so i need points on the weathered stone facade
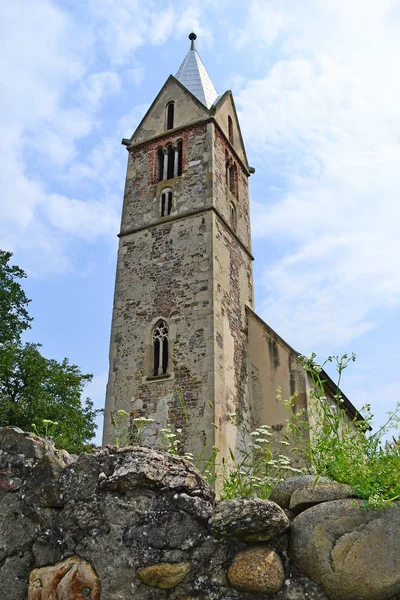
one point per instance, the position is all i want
(191, 267)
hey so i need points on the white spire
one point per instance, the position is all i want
(193, 75)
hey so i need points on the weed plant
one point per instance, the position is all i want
(330, 443)
(343, 449)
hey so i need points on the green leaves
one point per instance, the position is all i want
(344, 449)
(34, 389)
(14, 317)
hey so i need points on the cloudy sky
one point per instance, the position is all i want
(317, 87)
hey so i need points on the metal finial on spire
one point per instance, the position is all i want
(192, 37)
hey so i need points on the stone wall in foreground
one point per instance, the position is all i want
(136, 523)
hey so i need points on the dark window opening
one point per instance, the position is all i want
(156, 356)
(170, 115)
(160, 349)
(171, 161)
(230, 130)
(179, 158)
(165, 356)
(166, 203)
(160, 164)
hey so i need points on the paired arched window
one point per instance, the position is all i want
(169, 161)
(166, 203)
(160, 348)
(169, 115)
(233, 216)
(230, 129)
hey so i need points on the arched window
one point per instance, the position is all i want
(169, 115)
(169, 161)
(166, 202)
(160, 164)
(160, 348)
(230, 130)
(233, 216)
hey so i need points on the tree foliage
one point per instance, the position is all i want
(14, 317)
(35, 389)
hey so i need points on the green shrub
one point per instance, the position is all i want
(346, 450)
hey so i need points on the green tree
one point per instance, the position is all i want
(14, 317)
(35, 389)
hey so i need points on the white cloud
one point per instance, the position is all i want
(324, 122)
(60, 186)
(123, 26)
(99, 85)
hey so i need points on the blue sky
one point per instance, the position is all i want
(317, 88)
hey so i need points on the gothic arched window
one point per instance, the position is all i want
(230, 130)
(160, 348)
(166, 203)
(169, 116)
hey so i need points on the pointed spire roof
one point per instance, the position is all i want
(193, 75)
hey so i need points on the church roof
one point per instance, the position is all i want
(193, 75)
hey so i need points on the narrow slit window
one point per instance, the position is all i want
(171, 162)
(160, 348)
(160, 164)
(230, 130)
(163, 202)
(179, 158)
(232, 179)
(233, 216)
(170, 115)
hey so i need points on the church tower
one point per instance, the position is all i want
(184, 272)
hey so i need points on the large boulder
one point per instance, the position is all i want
(308, 495)
(249, 519)
(282, 493)
(352, 552)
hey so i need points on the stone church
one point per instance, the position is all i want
(185, 339)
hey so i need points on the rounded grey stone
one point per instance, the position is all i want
(308, 495)
(353, 553)
(283, 492)
(249, 519)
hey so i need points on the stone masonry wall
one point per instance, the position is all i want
(233, 290)
(137, 523)
(165, 271)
